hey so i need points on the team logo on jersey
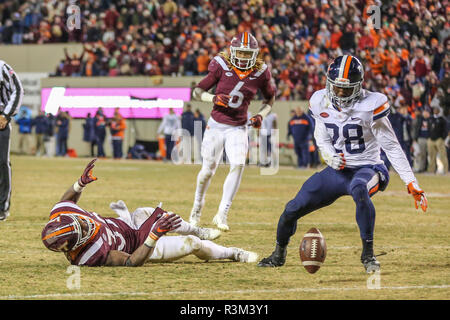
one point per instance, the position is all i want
(324, 115)
(229, 74)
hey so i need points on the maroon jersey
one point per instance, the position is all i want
(241, 86)
(110, 234)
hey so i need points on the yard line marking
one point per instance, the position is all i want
(206, 292)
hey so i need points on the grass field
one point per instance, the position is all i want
(417, 245)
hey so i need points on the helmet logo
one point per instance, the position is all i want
(342, 80)
(324, 115)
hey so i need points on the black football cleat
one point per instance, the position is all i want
(276, 259)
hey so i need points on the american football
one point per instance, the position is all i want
(313, 250)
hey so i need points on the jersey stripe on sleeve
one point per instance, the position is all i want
(381, 111)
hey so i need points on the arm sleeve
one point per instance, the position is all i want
(15, 99)
(323, 139)
(385, 135)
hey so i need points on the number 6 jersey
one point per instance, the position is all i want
(240, 85)
(358, 132)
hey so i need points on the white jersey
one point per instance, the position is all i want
(358, 132)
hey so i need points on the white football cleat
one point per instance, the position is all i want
(4, 215)
(221, 222)
(208, 233)
(245, 256)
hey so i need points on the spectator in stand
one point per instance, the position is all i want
(100, 132)
(62, 133)
(436, 140)
(300, 127)
(169, 124)
(40, 124)
(89, 132)
(117, 125)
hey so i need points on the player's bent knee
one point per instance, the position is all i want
(193, 242)
(359, 192)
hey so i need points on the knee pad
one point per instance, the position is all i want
(195, 243)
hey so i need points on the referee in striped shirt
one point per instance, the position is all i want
(11, 93)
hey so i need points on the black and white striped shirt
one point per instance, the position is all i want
(11, 91)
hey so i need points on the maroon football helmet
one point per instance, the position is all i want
(64, 232)
(244, 50)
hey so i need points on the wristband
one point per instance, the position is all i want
(207, 97)
(77, 187)
(151, 240)
(265, 110)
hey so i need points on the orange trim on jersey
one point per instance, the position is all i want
(373, 190)
(347, 67)
(242, 74)
(380, 108)
(57, 233)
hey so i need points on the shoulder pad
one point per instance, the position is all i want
(218, 63)
(374, 102)
(318, 102)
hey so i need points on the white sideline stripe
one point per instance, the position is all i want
(109, 294)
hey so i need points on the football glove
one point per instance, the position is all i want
(418, 195)
(166, 223)
(336, 161)
(87, 176)
(256, 121)
(221, 99)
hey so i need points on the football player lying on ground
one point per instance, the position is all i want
(351, 126)
(88, 239)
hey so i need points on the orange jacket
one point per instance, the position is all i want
(118, 128)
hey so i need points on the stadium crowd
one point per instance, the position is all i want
(406, 52)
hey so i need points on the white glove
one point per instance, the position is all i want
(336, 161)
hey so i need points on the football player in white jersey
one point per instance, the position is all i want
(351, 127)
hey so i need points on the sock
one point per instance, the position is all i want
(203, 182)
(186, 229)
(230, 188)
(365, 212)
(211, 251)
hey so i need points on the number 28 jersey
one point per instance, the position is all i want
(358, 131)
(242, 86)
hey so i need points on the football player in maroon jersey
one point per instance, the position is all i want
(89, 239)
(237, 75)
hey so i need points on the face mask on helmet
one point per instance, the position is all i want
(65, 232)
(244, 51)
(344, 81)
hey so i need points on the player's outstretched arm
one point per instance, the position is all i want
(74, 192)
(385, 136)
(163, 225)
